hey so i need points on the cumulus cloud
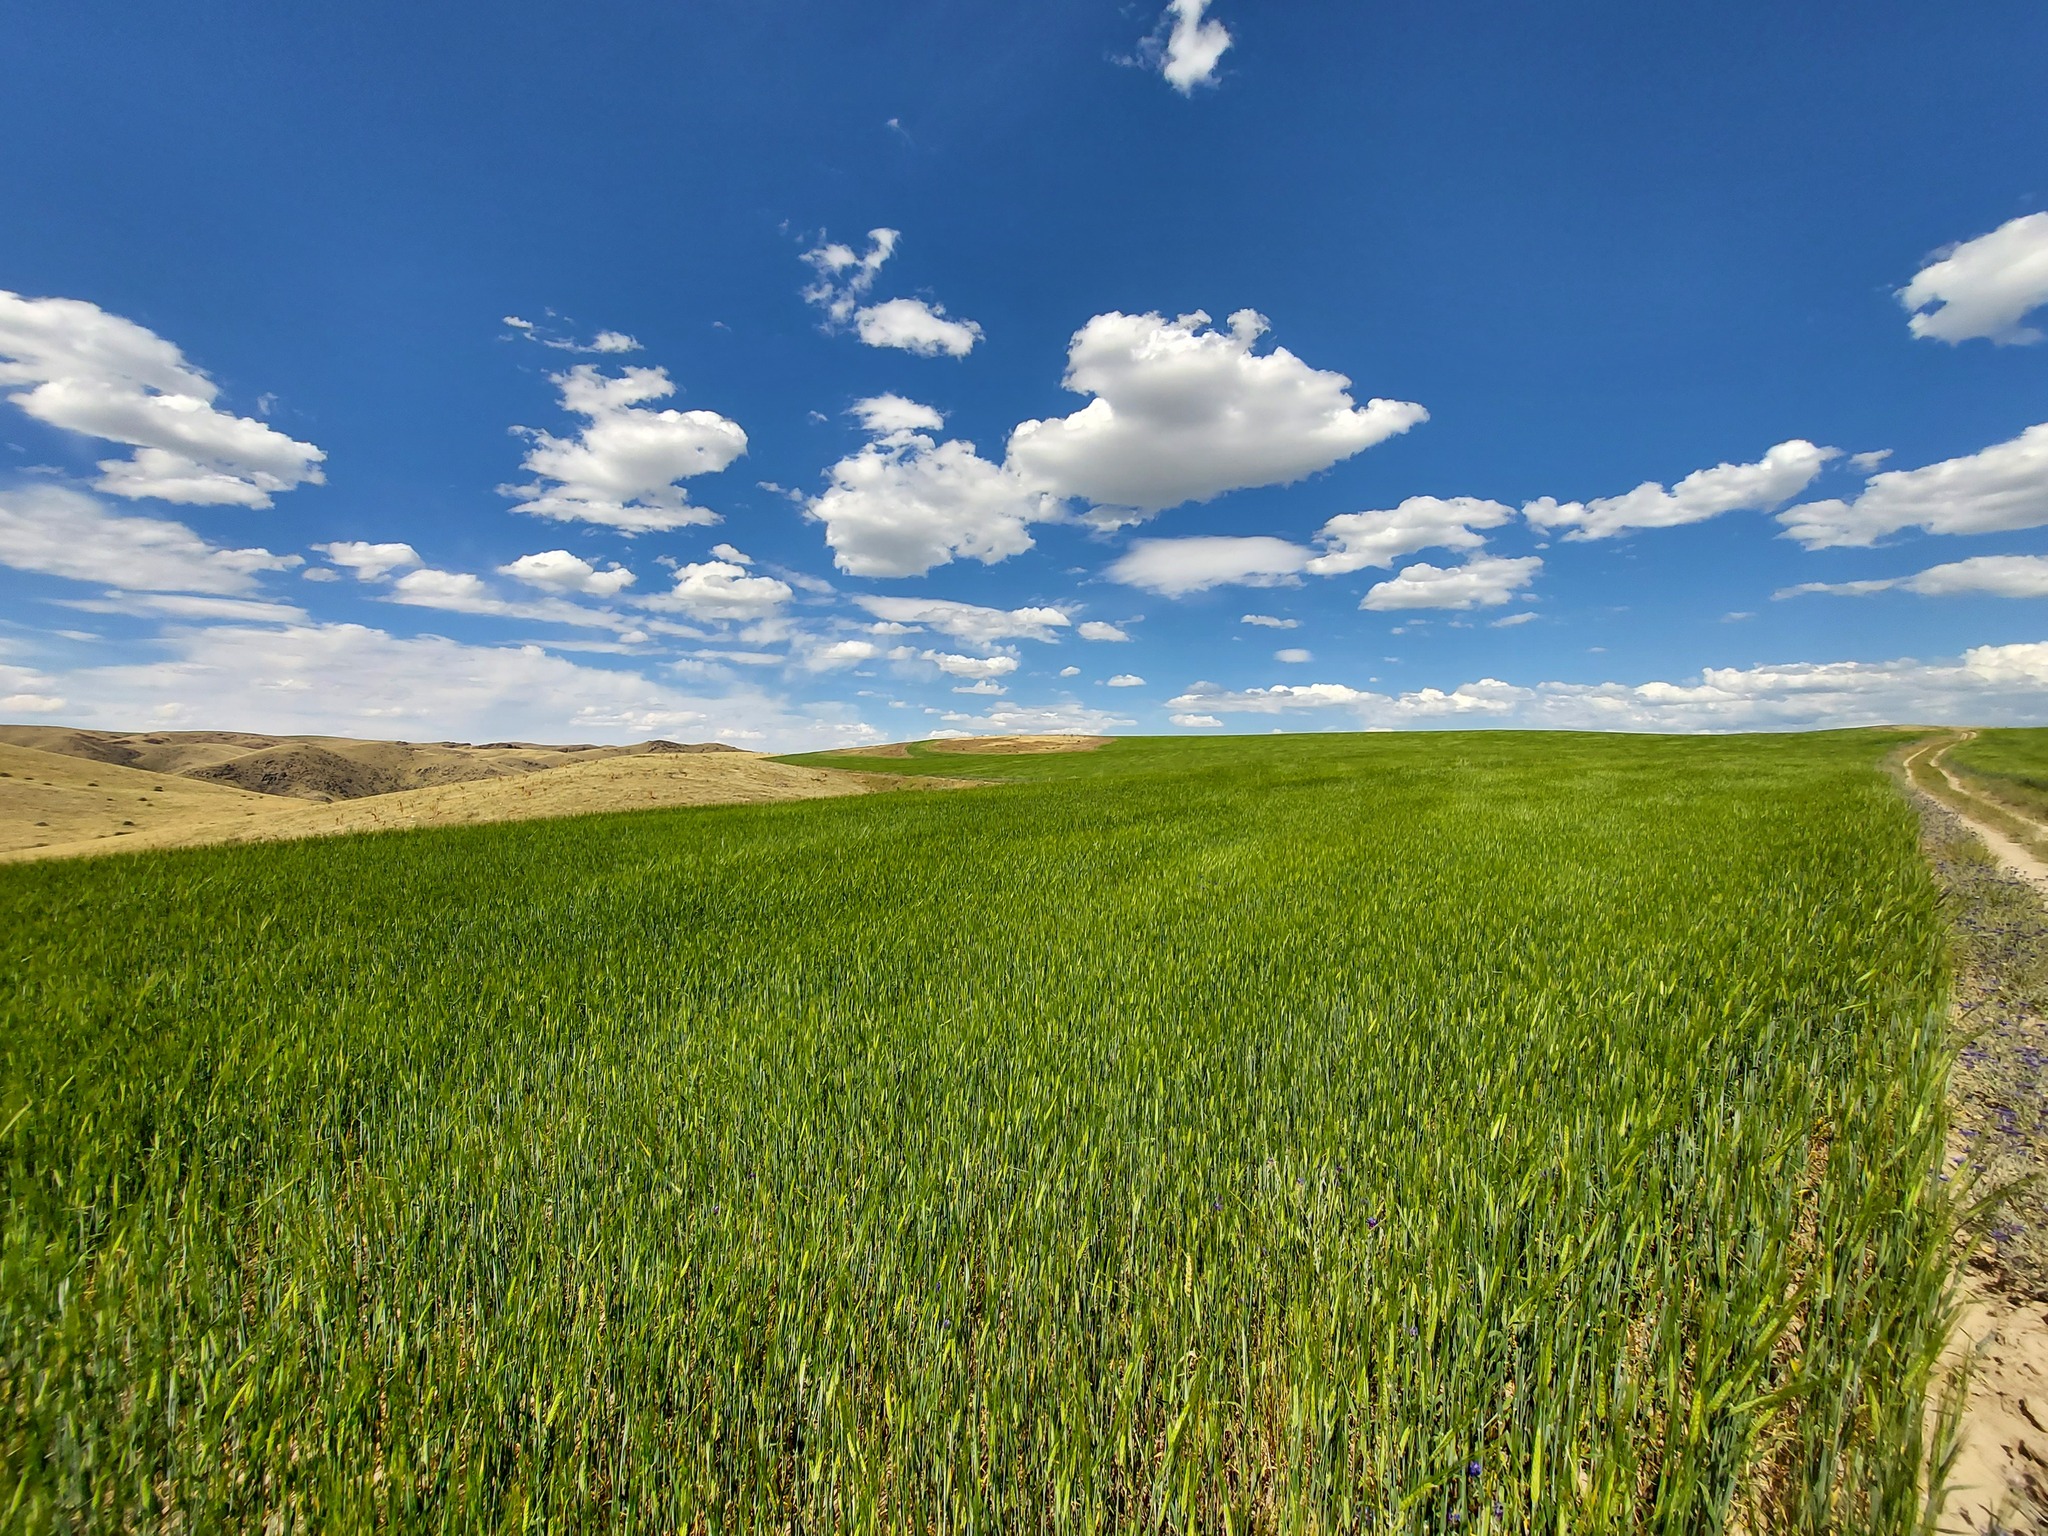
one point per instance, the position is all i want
(1983, 287)
(1186, 47)
(1293, 656)
(885, 415)
(72, 365)
(1182, 412)
(721, 591)
(954, 665)
(557, 570)
(907, 502)
(370, 562)
(845, 275)
(1356, 540)
(965, 621)
(912, 325)
(1176, 567)
(1126, 680)
(425, 586)
(1773, 480)
(1997, 490)
(624, 469)
(1096, 629)
(1982, 576)
(829, 656)
(56, 531)
(1267, 621)
(1485, 581)
(349, 680)
(1993, 684)
(1194, 721)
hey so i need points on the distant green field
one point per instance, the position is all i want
(1333, 1133)
(2011, 765)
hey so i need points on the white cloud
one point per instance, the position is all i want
(1038, 720)
(370, 562)
(1185, 413)
(462, 592)
(885, 415)
(72, 365)
(1070, 671)
(1990, 685)
(1293, 656)
(829, 657)
(1983, 575)
(1185, 47)
(172, 605)
(624, 469)
(970, 666)
(604, 341)
(1515, 618)
(1196, 720)
(25, 691)
(727, 552)
(348, 680)
(1983, 287)
(721, 590)
(1997, 490)
(1485, 581)
(985, 686)
(1355, 540)
(1782, 473)
(964, 621)
(56, 531)
(1096, 629)
(1267, 621)
(1868, 463)
(557, 570)
(906, 503)
(1176, 567)
(845, 278)
(1126, 680)
(844, 274)
(912, 325)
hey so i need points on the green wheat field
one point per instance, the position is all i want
(1499, 1133)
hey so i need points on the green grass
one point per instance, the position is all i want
(1374, 1133)
(2009, 765)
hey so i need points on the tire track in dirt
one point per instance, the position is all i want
(1999, 1483)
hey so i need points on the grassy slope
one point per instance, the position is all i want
(2010, 765)
(1241, 1129)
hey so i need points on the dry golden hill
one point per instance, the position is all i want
(49, 800)
(53, 806)
(319, 768)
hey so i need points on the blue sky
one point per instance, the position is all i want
(274, 454)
